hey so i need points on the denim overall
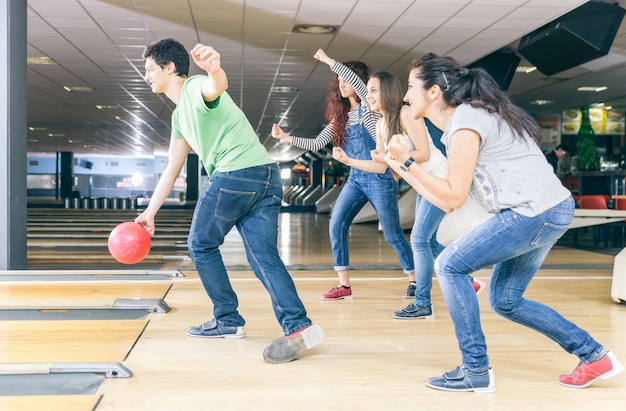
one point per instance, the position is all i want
(381, 190)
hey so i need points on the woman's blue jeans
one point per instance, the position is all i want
(425, 247)
(515, 246)
(248, 199)
(381, 190)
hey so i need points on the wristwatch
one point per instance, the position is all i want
(407, 164)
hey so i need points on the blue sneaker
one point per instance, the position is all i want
(461, 379)
(289, 348)
(410, 290)
(413, 312)
(213, 329)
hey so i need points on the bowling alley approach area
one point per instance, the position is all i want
(82, 331)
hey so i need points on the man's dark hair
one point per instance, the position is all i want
(562, 147)
(169, 50)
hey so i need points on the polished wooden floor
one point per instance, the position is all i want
(368, 361)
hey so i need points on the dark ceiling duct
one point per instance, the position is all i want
(582, 35)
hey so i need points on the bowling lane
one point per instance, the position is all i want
(81, 236)
(82, 294)
(32, 348)
(50, 403)
(44, 342)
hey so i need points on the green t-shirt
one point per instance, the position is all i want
(218, 132)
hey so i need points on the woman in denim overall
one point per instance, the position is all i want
(380, 189)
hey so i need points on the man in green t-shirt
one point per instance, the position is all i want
(244, 191)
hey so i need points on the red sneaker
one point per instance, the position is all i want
(338, 293)
(586, 373)
(478, 285)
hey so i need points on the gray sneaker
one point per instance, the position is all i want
(461, 379)
(289, 348)
(412, 312)
(213, 329)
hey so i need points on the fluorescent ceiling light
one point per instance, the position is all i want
(592, 88)
(314, 28)
(600, 105)
(542, 102)
(285, 89)
(85, 89)
(40, 60)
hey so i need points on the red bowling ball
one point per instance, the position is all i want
(129, 243)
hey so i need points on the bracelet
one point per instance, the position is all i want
(407, 164)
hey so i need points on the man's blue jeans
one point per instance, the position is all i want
(515, 246)
(425, 247)
(248, 199)
(382, 192)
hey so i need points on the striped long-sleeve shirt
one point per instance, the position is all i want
(369, 118)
